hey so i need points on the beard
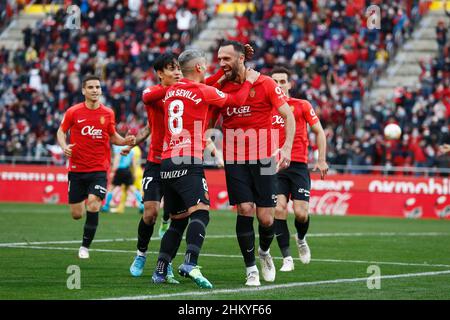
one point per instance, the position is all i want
(232, 74)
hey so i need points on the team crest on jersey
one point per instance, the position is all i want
(252, 93)
(102, 120)
(292, 108)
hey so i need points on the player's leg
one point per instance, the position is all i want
(138, 196)
(193, 189)
(301, 185)
(170, 243)
(282, 232)
(116, 181)
(172, 238)
(77, 194)
(137, 187)
(120, 209)
(302, 219)
(281, 227)
(264, 180)
(239, 186)
(77, 210)
(152, 187)
(164, 226)
(96, 193)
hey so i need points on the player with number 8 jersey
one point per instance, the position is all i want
(186, 198)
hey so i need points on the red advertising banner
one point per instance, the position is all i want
(374, 195)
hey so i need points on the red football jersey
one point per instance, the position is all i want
(247, 129)
(153, 100)
(303, 113)
(90, 131)
(186, 107)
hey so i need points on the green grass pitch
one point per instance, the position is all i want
(39, 242)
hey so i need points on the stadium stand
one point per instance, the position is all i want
(336, 60)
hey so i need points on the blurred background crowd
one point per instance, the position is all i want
(334, 57)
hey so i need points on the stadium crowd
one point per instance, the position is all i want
(333, 54)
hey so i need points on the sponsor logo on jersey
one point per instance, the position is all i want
(277, 120)
(240, 111)
(173, 174)
(178, 142)
(91, 131)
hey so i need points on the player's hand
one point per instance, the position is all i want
(249, 52)
(130, 140)
(322, 166)
(222, 80)
(125, 151)
(285, 158)
(251, 75)
(68, 150)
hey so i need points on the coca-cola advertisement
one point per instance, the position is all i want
(373, 195)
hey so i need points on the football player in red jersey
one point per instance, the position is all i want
(168, 70)
(294, 182)
(186, 197)
(92, 128)
(250, 174)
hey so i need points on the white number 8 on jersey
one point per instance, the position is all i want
(175, 118)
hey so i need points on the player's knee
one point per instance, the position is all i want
(301, 213)
(281, 211)
(245, 209)
(94, 204)
(150, 213)
(265, 220)
(77, 213)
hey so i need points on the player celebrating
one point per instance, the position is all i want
(185, 189)
(167, 68)
(92, 127)
(249, 174)
(294, 181)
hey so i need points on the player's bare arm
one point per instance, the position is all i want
(117, 139)
(285, 151)
(140, 137)
(321, 140)
(67, 148)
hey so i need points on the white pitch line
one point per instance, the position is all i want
(278, 286)
(239, 256)
(224, 236)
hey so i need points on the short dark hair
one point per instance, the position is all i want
(280, 69)
(88, 78)
(187, 56)
(238, 47)
(164, 60)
